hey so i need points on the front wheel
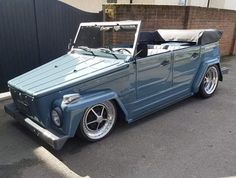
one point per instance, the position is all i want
(209, 82)
(98, 121)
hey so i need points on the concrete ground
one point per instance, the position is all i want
(194, 138)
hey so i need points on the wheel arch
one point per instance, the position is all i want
(220, 72)
(202, 71)
(75, 112)
(121, 111)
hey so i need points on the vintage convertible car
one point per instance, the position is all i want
(114, 70)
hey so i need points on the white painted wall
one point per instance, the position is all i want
(217, 3)
(96, 5)
(200, 3)
(85, 5)
(230, 4)
(164, 2)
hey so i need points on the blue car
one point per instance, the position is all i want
(112, 70)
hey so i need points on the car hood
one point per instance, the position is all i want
(64, 71)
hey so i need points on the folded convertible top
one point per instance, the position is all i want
(200, 37)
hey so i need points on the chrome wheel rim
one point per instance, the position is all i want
(99, 120)
(211, 80)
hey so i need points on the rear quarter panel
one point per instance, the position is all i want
(210, 55)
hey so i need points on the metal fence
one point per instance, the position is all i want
(33, 32)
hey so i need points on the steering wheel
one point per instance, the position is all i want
(123, 49)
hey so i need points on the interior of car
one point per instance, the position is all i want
(151, 43)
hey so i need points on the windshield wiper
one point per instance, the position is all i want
(108, 51)
(87, 49)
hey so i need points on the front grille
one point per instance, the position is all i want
(22, 101)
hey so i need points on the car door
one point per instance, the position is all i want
(186, 64)
(153, 78)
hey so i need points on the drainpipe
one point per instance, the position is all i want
(208, 3)
(185, 2)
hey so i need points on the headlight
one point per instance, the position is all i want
(56, 115)
(70, 98)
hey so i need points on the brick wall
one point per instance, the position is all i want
(178, 17)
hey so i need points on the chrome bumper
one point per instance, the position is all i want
(53, 139)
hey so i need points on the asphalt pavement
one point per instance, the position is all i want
(195, 138)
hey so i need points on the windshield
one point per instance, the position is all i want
(112, 39)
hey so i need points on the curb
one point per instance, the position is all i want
(228, 57)
(5, 96)
(54, 163)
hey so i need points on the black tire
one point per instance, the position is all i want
(98, 121)
(209, 82)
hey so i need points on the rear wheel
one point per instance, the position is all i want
(98, 121)
(209, 82)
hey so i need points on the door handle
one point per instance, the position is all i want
(194, 55)
(165, 62)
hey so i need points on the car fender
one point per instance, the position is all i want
(202, 71)
(73, 113)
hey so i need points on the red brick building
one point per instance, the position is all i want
(178, 17)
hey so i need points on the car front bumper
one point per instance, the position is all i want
(53, 139)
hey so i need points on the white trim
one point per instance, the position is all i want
(136, 37)
(126, 22)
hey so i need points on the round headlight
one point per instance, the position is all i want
(56, 115)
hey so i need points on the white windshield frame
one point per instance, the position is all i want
(114, 23)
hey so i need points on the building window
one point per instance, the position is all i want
(182, 2)
(111, 1)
